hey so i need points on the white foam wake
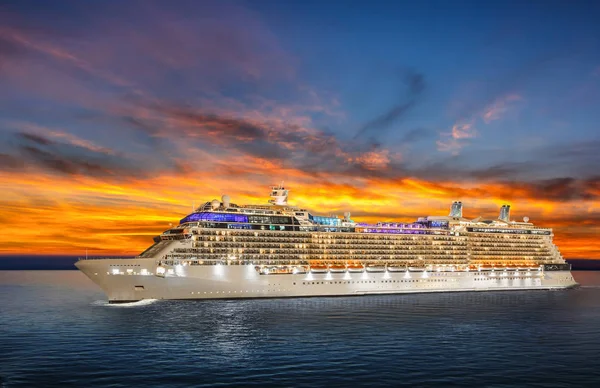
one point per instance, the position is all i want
(143, 302)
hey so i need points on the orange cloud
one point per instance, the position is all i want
(372, 160)
(66, 215)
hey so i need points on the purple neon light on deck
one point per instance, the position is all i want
(394, 231)
(214, 217)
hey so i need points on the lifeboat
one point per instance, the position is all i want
(417, 269)
(337, 268)
(264, 270)
(299, 269)
(356, 268)
(396, 268)
(318, 269)
(375, 268)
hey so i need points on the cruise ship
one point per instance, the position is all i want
(223, 250)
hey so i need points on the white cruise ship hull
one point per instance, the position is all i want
(127, 280)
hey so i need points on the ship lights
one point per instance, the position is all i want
(115, 271)
(159, 270)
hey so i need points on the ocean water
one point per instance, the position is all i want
(57, 330)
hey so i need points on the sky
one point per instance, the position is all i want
(117, 117)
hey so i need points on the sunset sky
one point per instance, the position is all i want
(117, 116)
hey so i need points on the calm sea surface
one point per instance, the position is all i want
(57, 330)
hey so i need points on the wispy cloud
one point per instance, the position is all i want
(35, 44)
(415, 85)
(456, 139)
(499, 108)
(58, 135)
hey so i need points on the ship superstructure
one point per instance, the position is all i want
(224, 250)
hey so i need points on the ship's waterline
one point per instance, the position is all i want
(223, 250)
(242, 281)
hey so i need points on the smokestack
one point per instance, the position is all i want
(456, 209)
(505, 213)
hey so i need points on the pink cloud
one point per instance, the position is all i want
(496, 110)
(449, 144)
(463, 131)
(452, 141)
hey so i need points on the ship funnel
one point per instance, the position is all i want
(505, 213)
(456, 209)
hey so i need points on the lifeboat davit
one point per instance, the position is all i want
(337, 268)
(318, 269)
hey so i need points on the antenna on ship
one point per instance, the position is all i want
(86, 254)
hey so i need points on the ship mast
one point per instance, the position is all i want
(279, 195)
